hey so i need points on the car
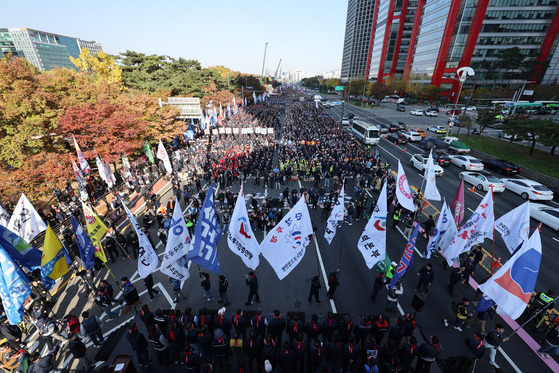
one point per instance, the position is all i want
(396, 137)
(401, 126)
(412, 136)
(420, 131)
(454, 111)
(482, 180)
(400, 108)
(442, 158)
(327, 105)
(437, 129)
(467, 162)
(501, 166)
(431, 113)
(394, 127)
(433, 109)
(471, 108)
(546, 214)
(509, 137)
(384, 127)
(419, 161)
(528, 189)
(416, 112)
(434, 143)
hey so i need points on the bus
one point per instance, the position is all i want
(367, 133)
(550, 106)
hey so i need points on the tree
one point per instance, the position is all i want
(432, 93)
(465, 120)
(510, 60)
(486, 117)
(550, 135)
(100, 65)
(524, 126)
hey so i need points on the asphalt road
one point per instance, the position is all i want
(356, 280)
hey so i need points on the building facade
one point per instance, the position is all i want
(44, 50)
(356, 54)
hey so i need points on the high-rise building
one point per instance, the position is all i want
(357, 39)
(428, 40)
(44, 50)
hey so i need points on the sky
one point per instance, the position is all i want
(305, 34)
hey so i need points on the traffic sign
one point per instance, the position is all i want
(528, 93)
(450, 124)
(339, 88)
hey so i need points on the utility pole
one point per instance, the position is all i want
(263, 63)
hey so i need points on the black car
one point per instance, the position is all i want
(400, 108)
(434, 143)
(502, 166)
(397, 137)
(384, 127)
(394, 127)
(401, 126)
(441, 158)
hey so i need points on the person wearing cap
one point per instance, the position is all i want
(139, 344)
(390, 272)
(267, 366)
(223, 322)
(426, 354)
(492, 342)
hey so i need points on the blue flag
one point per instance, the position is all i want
(407, 259)
(206, 236)
(87, 250)
(14, 287)
(484, 304)
(202, 122)
(20, 251)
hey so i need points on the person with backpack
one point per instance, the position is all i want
(462, 314)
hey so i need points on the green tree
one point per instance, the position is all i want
(432, 93)
(486, 117)
(466, 121)
(550, 135)
(531, 129)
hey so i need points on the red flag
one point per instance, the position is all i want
(458, 204)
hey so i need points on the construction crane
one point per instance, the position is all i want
(277, 70)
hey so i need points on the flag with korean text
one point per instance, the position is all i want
(514, 226)
(81, 159)
(407, 259)
(207, 234)
(372, 243)
(444, 232)
(174, 262)
(14, 288)
(25, 221)
(478, 227)
(55, 260)
(458, 204)
(4, 217)
(82, 186)
(512, 285)
(162, 154)
(148, 259)
(284, 246)
(96, 229)
(336, 215)
(240, 237)
(431, 192)
(403, 191)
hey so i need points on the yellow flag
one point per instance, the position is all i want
(53, 262)
(96, 229)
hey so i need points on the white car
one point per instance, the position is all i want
(471, 108)
(437, 129)
(419, 161)
(545, 214)
(416, 112)
(482, 180)
(412, 135)
(528, 189)
(467, 162)
(431, 114)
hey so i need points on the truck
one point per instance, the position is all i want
(455, 145)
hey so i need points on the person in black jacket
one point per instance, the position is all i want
(78, 349)
(252, 347)
(276, 326)
(315, 287)
(139, 344)
(206, 285)
(252, 283)
(223, 287)
(333, 283)
(426, 354)
(43, 364)
(426, 278)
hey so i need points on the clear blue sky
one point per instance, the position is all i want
(306, 34)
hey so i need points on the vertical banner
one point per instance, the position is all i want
(25, 221)
(174, 262)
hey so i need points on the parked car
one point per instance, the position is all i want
(431, 113)
(412, 136)
(437, 129)
(401, 125)
(397, 137)
(482, 180)
(419, 161)
(528, 189)
(501, 166)
(416, 112)
(545, 214)
(420, 131)
(467, 162)
(442, 158)
(471, 108)
(455, 112)
(400, 108)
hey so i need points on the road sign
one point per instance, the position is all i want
(339, 88)
(450, 124)
(528, 93)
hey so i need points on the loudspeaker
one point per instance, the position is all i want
(418, 302)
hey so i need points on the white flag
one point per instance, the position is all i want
(174, 262)
(25, 221)
(148, 260)
(477, 228)
(336, 215)
(254, 97)
(372, 242)
(512, 285)
(81, 182)
(109, 175)
(284, 247)
(240, 237)
(431, 192)
(126, 166)
(162, 154)
(444, 232)
(403, 192)
(101, 168)
(4, 217)
(514, 226)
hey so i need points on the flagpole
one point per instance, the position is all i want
(534, 316)
(493, 251)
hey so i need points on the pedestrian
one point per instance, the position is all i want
(78, 349)
(276, 326)
(408, 224)
(428, 225)
(226, 220)
(350, 212)
(43, 364)
(492, 342)
(462, 313)
(105, 303)
(396, 218)
(458, 275)
(378, 285)
(252, 283)
(108, 289)
(206, 285)
(550, 345)
(148, 281)
(426, 278)
(176, 283)
(427, 354)
(223, 287)
(315, 287)
(159, 344)
(475, 257)
(49, 330)
(481, 318)
(333, 283)
(390, 272)
(129, 293)
(239, 322)
(392, 297)
(139, 344)
(92, 327)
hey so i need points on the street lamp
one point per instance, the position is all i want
(463, 74)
